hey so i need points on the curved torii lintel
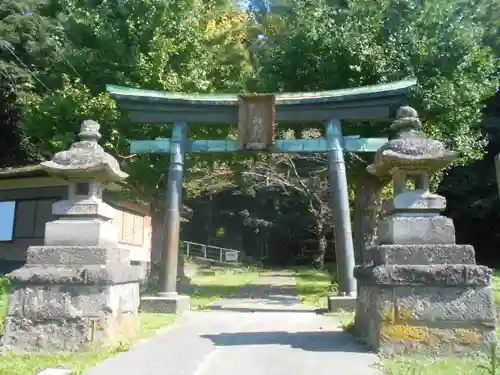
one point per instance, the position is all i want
(360, 103)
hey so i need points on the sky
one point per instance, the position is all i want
(7, 210)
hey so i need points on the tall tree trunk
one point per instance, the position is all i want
(319, 259)
(366, 209)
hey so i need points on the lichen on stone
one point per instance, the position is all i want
(397, 326)
(468, 336)
(406, 332)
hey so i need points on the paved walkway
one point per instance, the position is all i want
(264, 330)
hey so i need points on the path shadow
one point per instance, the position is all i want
(268, 299)
(314, 341)
(278, 293)
(267, 289)
(262, 297)
(263, 310)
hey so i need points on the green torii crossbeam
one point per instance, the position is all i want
(350, 144)
(376, 102)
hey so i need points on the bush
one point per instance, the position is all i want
(4, 286)
(4, 289)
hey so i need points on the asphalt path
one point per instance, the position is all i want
(262, 330)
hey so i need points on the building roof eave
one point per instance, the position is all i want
(32, 176)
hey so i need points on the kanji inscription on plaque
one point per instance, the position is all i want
(256, 122)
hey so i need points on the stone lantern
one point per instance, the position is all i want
(420, 290)
(78, 291)
(84, 218)
(412, 215)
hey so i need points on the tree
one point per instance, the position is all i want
(163, 45)
(28, 44)
(472, 190)
(472, 193)
(30, 41)
(301, 176)
(439, 42)
(15, 148)
(324, 45)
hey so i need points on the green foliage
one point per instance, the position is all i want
(28, 42)
(4, 289)
(440, 42)
(15, 148)
(31, 40)
(4, 286)
(492, 366)
(149, 44)
(473, 196)
(61, 53)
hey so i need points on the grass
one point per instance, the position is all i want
(209, 288)
(427, 366)
(4, 285)
(152, 323)
(495, 285)
(314, 285)
(29, 364)
(211, 283)
(206, 289)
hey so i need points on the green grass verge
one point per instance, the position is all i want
(495, 285)
(29, 364)
(206, 289)
(315, 285)
(427, 366)
(4, 286)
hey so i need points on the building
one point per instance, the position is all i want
(26, 198)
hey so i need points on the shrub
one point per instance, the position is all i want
(4, 288)
(4, 285)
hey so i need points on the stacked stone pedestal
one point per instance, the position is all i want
(78, 291)
(72, 298)
(419, 291)
(417, 298)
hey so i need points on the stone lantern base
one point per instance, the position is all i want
(420, 292)
(424, 298)
(72, 298)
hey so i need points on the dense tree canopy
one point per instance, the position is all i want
(360, 43)
(189, 46)
(320, 45)
(57, 55)
(28, 43)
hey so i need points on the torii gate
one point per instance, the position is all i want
(256, 115)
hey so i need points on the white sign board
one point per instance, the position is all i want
(231, 256)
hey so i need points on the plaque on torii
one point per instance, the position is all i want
(256, 122)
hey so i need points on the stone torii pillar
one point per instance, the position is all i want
(344, 248)
(168, 300)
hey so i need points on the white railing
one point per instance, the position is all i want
(194, 249)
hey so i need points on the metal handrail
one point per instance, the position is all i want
(205, 250)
